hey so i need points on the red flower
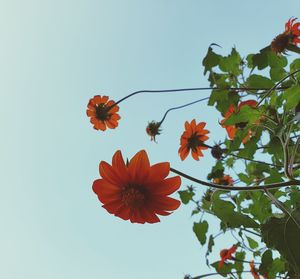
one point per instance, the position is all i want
(254, 271)
(232, 129)
(193, 139)
(226, 254)
(225, 180)
(101, 114)
(291, 35)
(137, 191)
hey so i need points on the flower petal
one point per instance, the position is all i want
(139, 167)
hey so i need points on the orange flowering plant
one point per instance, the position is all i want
(253, 186)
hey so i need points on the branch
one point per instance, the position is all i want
(237, 188)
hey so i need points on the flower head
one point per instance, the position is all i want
(232, 129)
(153, 129)
(291, 35)
(225, 180)
(253, 270)
(217, 151)
(101, 114)
(193, 139)
(226, 254)
(137, 192)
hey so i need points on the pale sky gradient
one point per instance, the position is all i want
(54, 56)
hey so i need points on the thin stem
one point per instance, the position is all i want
(179, 107)
(248, 231)
(255, 161)
(237, 188)
(275, 86)
(190, 89)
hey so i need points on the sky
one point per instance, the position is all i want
(55, 56)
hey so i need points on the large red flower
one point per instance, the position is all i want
(232, 129)
(102, 114)
(226, 254)
(291, 35)
(193, 139)
(136, 191)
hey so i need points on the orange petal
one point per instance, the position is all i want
(159, 172)
(183, 152)
(119, 166)
(139, 166)
(167, 186)
(149, 216)
(165, 203)
(108, 173)
(113, 206)
(195, 156)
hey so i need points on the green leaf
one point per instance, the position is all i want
(276, 61)
(266, 262)
(295, 65)
(244, 178)
(283, 235)
(200, 229)
(186, 196)
(225, 211)
(258, 81)
(292, 96)
(277, 74)
(210, 60)
(231, 63)
(252, 243)
(249, 150)
(217, 95)
(245, 114)
(274, 177)
(224, 270)
(259, 60)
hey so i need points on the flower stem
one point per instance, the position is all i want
(179, 107)
(219, 273)
(190, 89)
(276, 86)
(237, 188)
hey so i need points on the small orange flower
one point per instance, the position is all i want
(153, 129)
(101, 115)
(136, 191)
(291, 35)
(232, 129)
(254, 271)
(226, 254)
(225, 180)
(193, 139)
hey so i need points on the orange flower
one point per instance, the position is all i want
(193, 139)
(232, 129)
(291, 35)
(225, 180)
(100, 114)
(254, 271)
(226, 254)
(136, 191)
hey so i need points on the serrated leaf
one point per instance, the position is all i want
(200, 229)
(245, 114)
(231, 63)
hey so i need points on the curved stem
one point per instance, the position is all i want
(188, 89)
(179, 107)
(275, 86)
(237, 188)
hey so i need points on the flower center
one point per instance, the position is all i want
(133, 196)
(194, 142)
(101, 112)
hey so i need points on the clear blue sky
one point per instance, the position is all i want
(54, 56)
